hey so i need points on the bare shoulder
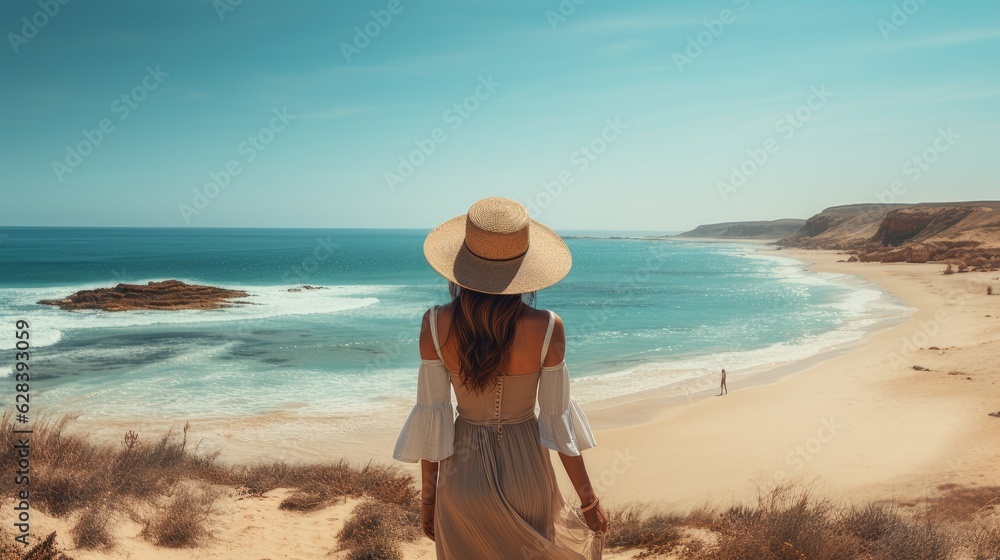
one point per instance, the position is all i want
(427, 351)
(543, 317)
(557, 343)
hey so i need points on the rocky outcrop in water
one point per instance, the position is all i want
(165, 295)
(306, 287)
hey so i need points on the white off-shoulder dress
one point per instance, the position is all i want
(497, 495)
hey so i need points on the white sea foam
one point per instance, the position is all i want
(195, 387)
(861, 306)
(698, 373)
(47, 323)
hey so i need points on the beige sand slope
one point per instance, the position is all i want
(245, 529)
(863, 423)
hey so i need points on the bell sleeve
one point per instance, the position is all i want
(562, 425)
(429, 431)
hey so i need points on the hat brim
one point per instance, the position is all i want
(546, 262)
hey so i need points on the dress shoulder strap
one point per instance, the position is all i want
(434, 332)
(548, 335)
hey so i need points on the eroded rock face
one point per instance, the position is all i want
(968, 252)
(813, 227)
(955, 232)
(820, 223)
(912, 254)
(841, 228)
(916, 223)
(165, 295)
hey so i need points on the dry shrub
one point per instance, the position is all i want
(256, 480)
(304, 501)
(703, 516)
(375, 530)
(140, 469)
(59, 492)
(983, 543)
(375, 550)
(320, 485)
(46, 550)
(870, 522)
(70, 473)
(634, 526)
(93, 528)
(184, 519)
(390, 485)
(790, 524)
(910, 540)
(9, 549)
(786, 523)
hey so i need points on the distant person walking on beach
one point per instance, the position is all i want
(722, 387)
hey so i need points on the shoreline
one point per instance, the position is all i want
(642, 407)
(771, 424)
(677, 451)
(341, 430)
(356, 436)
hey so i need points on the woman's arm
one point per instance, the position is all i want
(575, 468)
(577, 472)
(428, 476)
(428, 469)
(597, 520)
(428, 493)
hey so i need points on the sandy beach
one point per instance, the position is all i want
(857, 423)
(863, 423)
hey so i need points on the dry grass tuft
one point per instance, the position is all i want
(303, 502)
(323, 484)
(634, 526)
(871, 521)
(909, 540)
(184, 519)
(375, 530)
(46, 550)
(786, 523)
(92, 529)
(982, 543)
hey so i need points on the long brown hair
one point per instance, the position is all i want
(484, 326)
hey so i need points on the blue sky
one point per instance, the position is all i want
(598, 115)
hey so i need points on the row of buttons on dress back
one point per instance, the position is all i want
(497, 400)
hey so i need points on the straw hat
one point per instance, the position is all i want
(497, 248)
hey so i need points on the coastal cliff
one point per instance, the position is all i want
(962, 233)
(774, 229)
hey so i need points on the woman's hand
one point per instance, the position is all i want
(597, 520)
(427, 520)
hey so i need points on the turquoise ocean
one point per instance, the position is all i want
(640, 314)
